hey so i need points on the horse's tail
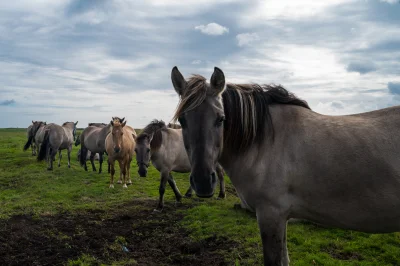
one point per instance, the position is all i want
(28, 143)
(84, 152)
(44, 146)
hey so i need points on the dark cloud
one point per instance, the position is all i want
(361, 68)
(7, 102)
(394, 87)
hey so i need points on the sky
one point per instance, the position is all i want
(90, 60)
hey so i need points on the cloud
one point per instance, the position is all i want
(212, 29)
(361, 67)
(247, 38)
(7, 102)
(390, 1)
(394, 87)
(196, 62)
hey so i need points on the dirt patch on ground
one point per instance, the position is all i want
(130, 233)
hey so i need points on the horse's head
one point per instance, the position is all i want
(201, 115)
(142, 150)
(117, 133)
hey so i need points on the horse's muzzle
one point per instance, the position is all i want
(204, 187)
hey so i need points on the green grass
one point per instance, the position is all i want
(26, 187)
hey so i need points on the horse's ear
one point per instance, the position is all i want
(32, 122)
(178, 81)
(112, 122)
(217, 80)
(45, 122)
(76, 123)
(123, 124)
(122, 120)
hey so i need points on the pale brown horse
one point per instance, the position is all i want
(120, 146)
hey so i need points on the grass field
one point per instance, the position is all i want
(71, 217)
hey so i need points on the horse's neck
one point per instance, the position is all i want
(105, 131)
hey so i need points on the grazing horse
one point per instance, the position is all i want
(287, 161)
(32, 131)
(164, 147)
(120, 146)
(57, 138)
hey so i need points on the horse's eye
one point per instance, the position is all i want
(220, 120)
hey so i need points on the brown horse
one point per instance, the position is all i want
(120, 146)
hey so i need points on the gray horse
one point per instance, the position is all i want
(287, 161)
(164, 147)
(57, 138)
(93, 139)
(32, 131)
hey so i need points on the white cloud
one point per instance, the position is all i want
(212, 29)
(247, 38)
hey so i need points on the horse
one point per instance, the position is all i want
(32, 131)
(77, 142)
(287, 161)
(120, 146)
(164, 147)
(93, 139)
(57, 138)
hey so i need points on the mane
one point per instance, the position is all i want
(247, 116)
(155, 128)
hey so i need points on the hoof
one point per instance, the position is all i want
(157, 210)
(50, 169)
(178, 203)
(221, 197)
(111, 186)
(125, 186)
(119, 182)
(129, 182)
(69, 166)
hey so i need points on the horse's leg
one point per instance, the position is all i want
(285, 255)
(172, 183)
(161, 190)
(108, 167)
(128, 169)
(189, 192)
(122, 167)
(100, 161)
(59, 158)
(272, 229)
(112, 171)
(53, 153)
(69, 155)
(92, 154)
(220, 174)
(33, 146)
